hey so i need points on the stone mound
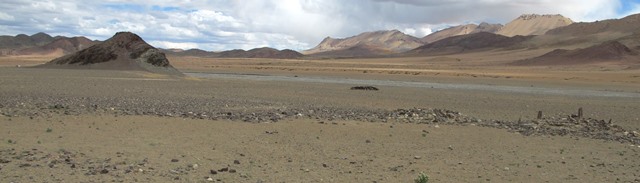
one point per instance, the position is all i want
(123, 51)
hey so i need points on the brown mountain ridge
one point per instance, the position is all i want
(42, 44)
(264, 52)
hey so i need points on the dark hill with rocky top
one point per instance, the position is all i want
(123, 51)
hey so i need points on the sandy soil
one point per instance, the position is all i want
(51, 132)
(153, 149)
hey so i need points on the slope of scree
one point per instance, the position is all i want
(123, 51)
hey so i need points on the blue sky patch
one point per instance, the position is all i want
(164, 8)
(126, 7)
(628, 5)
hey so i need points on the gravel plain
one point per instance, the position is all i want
(371, 135)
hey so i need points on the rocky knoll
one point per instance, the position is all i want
(123, 51)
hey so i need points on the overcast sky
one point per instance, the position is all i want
(294, 24)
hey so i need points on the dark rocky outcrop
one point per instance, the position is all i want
(123, 51)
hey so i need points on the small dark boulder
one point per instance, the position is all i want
(364, 88)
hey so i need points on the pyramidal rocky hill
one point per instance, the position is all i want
(533, 24)
(123, 51)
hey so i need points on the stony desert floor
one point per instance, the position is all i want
(123, 126)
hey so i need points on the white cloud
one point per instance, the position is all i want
(167, 44)
(295, 24)
(6, 17)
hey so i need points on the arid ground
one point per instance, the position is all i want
(270, 120)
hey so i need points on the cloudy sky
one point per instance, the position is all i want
(294, 24)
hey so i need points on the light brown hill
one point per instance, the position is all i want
(461, 30)
(532, 24)
(393, 41)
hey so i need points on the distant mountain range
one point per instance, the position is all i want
(42, 44)
(253, 53)
(610, 41)
(393, 42)
(614, 40)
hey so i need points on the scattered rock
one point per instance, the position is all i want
(237, 162)
(174, 160)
